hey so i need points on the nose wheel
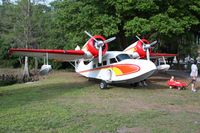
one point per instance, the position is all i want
(103, 85)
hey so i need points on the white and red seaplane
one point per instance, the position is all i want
(94, 61)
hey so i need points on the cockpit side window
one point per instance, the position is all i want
(104, 62)
(86, 62)
(94, 65)
(99, 64)
(113, 60)
(122, 57)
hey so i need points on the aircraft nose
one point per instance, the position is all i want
(147, 65)
(148, 68)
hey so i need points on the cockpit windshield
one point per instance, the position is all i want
(121, 57)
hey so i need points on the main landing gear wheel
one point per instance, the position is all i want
(103, 85)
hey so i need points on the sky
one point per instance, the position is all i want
(41, 1)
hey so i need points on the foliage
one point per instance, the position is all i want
(74, 17)
(126, 19)
(140, 25)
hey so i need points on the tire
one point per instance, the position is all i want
(103, 85)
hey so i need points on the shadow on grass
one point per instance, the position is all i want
(151, 85)
(26, 95)
(7, 83)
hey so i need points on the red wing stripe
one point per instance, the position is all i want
(162, 54)
(75, 52)
(53, 51)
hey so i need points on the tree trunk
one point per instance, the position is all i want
(36, 65)
(27, 41)
(26, 75)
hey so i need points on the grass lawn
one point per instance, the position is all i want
(67, 102)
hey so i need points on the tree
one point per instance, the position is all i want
(125, 19)
(7, 15)
(74, 17)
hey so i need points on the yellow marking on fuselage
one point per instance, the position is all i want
(131, 50)
(117, 71)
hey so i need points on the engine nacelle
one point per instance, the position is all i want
(92, 48)
(45, 69)
(139, 48)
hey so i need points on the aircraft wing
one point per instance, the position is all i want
(61, 55)
(158, 55)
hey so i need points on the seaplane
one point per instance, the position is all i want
(94, 61)
(142, 49)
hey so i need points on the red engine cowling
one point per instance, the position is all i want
(140, 49)
(90, 46)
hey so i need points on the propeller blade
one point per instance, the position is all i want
(146, 46)
(139, 39)
(153, 43)
(100, 54)
(91, 36)
(109, 40)
(147, 54)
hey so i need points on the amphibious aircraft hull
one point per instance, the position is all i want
(128, 71)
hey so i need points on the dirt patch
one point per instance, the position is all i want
(133, 130)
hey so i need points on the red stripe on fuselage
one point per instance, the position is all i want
(125, 68)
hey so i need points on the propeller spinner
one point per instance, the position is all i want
(99, 45)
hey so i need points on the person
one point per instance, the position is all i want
(175, 82)
(171, 79)
(193, 75)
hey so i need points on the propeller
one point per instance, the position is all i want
(146, 47)
(91, 36)
(100, 44)
(109, 40)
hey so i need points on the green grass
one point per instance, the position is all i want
(66, 102)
